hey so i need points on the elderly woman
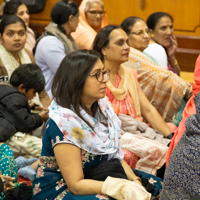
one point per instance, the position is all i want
(56, 42)
(16, 7)
(163, 43)
(92, 19)
(81, 140)
(155, 81)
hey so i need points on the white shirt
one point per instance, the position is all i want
(158, 53)
(49, 54)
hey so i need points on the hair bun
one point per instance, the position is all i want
(60, 13)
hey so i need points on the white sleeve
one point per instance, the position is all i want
(158, 53)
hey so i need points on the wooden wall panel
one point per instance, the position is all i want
(186, 13)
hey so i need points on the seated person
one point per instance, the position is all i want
(82, 131)
(190, 109)
(164, 89)
(13, 54)
(163, 43)
(16, 7)
(15, 113)
(182, 178)
(92, 19)
(122, 89)
(56, 42)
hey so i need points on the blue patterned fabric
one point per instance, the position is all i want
(179, 114)
(8, 165)
(182, 176)
(49, 183)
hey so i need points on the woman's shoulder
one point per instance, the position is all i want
(154, 47)
(131, 70)
(48, 43)
(49, 39)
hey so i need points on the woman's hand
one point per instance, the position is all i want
(171, 50)
(8, 182)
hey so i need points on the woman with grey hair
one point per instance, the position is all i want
(92, 18)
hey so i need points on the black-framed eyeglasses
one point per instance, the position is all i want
(101, 75)
(141, 32)
(95, 12)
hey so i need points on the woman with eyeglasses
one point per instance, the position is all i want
(123, 90)
(165, 90)
(92, 19)
(163, 44)
(83, 131)
(56, 42)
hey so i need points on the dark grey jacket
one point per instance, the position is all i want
(15, 113)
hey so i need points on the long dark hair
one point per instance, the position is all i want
(102, 38)
(10, 19)
(155, 17)
(70, 78)
(129, 23)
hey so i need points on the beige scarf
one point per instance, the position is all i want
(127, 84)
(164, 89)
(68, 41)
(10, 62)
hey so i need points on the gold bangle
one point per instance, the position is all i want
(175, 62)
(136, 178)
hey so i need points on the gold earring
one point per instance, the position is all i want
(152, 35)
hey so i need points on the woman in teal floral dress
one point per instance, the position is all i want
(82, 131)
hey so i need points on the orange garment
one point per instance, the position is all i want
(125, 106)
(189, 110)
(85, 34)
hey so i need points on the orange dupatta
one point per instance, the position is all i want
(85, 34)
(124, 95)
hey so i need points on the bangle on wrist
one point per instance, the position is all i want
(136, 178)
(170, 136)
(175, 62)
